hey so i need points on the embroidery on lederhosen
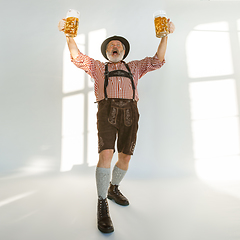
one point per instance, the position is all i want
(127, 117)
(133, 144)
(112, 118)
(121, 103)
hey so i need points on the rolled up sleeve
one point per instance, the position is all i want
(146, 65)
(85, 63)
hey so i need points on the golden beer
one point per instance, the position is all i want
(71, 26)
(161, 26)
(161, 23)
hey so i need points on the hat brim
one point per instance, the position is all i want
(119, 38)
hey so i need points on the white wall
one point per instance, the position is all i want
(31, 63)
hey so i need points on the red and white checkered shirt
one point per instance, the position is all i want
(118, 87)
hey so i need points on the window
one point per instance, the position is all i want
(79, 131)
(213, 102)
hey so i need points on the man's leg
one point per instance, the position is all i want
(123, 161)
(119, 171)
(103, 173)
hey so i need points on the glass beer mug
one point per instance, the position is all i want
(161, 23)
(72, 22)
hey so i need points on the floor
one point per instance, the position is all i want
(63, 207)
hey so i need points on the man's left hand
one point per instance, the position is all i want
(171, 26)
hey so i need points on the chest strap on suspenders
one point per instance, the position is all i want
(118, 73)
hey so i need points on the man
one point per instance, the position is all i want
(115, 87)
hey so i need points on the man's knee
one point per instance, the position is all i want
(123, 161)
(124, 157)
(105, 158)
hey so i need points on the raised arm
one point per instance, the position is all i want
(73, 48)
(163, 43)
(162, 48)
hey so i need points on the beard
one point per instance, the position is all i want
(115, 56)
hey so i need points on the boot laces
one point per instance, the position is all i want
(117, 191)
(103, 207)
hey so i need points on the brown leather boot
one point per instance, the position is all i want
(117, 196)
(104, 221)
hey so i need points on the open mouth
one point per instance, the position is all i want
(115, 52)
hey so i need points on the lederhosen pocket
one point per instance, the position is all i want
(128, 117)
(112, 117)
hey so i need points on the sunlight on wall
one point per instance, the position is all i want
(72, 110)
(214, 119)
(72, 131)
(73, 79)
(79, 131)
(95, 39)
(92, 144)
(214, 108)
(213, 99)
(209, 51)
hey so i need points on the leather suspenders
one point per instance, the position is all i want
(118, 73)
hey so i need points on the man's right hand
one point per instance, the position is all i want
(61, 24)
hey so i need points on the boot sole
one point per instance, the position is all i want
(105, 230)
(111, 198)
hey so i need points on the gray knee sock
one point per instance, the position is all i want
(117, 175)
(102, 180)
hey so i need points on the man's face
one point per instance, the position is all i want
(115, 51)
